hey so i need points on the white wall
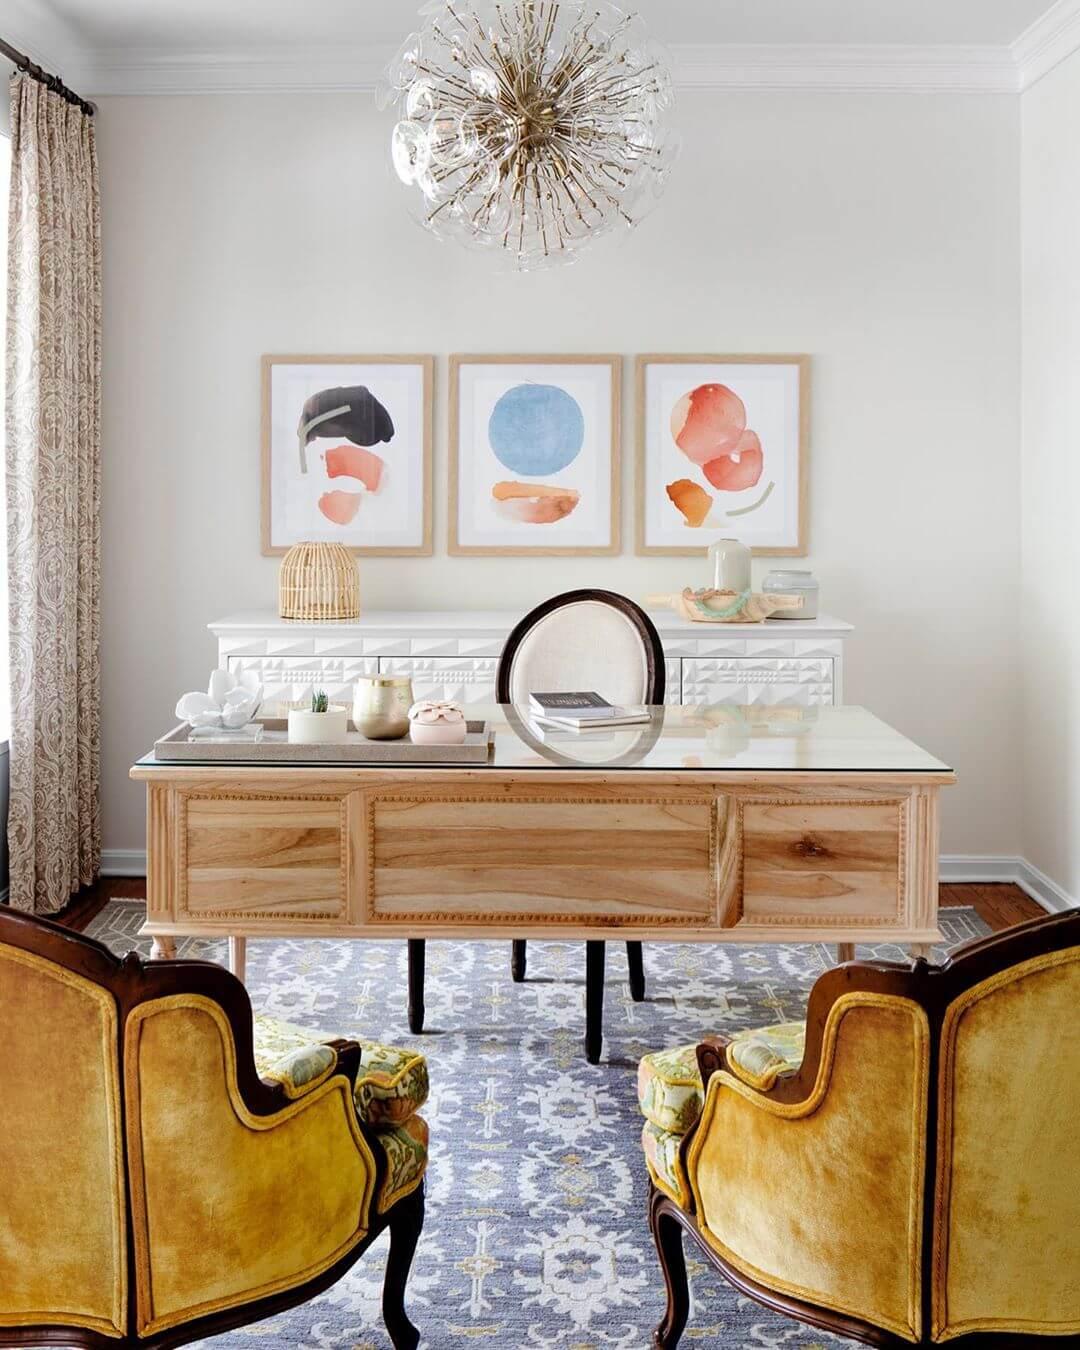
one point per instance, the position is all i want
(877, 232)
(1050, 588)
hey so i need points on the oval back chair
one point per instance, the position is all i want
(580, 640)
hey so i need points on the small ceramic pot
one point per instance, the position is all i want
(318, 728)
(794, 582)
(433, 722)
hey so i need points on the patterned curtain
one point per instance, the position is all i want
(53, 418)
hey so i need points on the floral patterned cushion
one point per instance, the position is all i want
(665, 1166)
(669, 1084)
(406, 1149)
(391, 1086)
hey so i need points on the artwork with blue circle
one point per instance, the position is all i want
(536, 429)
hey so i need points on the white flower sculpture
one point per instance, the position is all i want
(430, 711)
(228, 701)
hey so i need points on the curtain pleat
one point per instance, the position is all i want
(53, 441)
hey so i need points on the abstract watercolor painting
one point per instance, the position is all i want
(347, 452)
(534, 454)
(722, 452)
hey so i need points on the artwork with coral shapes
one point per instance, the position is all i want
(347, 452)
(721, 452)
(534, 454)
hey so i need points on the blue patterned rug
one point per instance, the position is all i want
(536, 1236)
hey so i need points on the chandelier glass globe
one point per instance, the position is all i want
(530, 127)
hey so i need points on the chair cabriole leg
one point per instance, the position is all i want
(668, 1236)
(406, 1221)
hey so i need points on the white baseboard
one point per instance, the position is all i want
(961, 867)
(954, 867)
(123, 862)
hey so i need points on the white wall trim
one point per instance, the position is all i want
(961, 867)
(953, 867)
(1050, 39)
(766, 68)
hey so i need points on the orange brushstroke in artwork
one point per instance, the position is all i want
(353, 461)
(708, 422)
(339, 507)
(533, 503)
(691, 499)
(739, 470)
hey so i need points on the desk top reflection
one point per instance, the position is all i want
(716, 739)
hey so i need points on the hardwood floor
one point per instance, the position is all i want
(1000, 905)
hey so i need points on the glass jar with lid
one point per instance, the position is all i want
(792, 581)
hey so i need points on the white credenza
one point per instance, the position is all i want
(454, 654)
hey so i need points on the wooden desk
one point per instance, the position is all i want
(709, 825)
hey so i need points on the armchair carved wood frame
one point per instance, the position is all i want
(95, 1255)
(991, 1255)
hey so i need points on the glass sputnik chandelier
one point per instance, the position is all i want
(530, 127)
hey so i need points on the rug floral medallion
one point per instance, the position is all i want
(536, 1236)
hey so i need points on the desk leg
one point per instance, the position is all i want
(845, 951)
(238, 957)
(925, 949)
(163, 949)
(594, 1001)
(417, 956)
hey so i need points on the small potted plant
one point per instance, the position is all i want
(320, 724)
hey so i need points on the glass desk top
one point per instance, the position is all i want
(715, 739)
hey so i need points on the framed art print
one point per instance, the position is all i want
(722, 451)
(346, 453)
(534, 454)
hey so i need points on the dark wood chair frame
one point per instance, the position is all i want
(131, 982)
(655, 688)
(933, 988)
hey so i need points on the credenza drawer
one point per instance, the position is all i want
(828, 862)
(801, 681)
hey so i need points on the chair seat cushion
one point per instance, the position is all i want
(391, 1086)
(669, 1083)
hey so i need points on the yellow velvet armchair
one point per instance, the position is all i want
(155, 1188)
(902, 1169)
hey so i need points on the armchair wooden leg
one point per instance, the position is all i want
(406, 1221)
(517, 960)
(668, 1236)
(636, 961)
(417, 957)
(594, 1001)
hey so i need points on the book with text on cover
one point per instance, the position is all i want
(584, 705)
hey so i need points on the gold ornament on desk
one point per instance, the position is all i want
(319, 581)
(707, 605)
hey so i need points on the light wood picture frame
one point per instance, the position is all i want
(544, 422)
(351, 472)
(723, 445)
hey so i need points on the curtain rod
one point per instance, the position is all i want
(54, 82)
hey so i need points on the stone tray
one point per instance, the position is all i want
(274, 748)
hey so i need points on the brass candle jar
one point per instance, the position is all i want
(381, 706)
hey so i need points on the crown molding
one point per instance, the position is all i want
(1047, 43)
(725, 67)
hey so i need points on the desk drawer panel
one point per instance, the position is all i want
(565, 859)
(823, 861)
(270, 857)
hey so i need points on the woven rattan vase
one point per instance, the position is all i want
(319, 581)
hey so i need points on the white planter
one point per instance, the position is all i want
(318, 728)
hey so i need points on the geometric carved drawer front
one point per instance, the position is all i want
(276, 858)
(481, 859)
(464, 680)
(289, 679)
(828, 862)
(797, 681)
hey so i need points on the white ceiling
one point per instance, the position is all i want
(202, 24)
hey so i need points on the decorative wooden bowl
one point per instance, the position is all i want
(709, 606)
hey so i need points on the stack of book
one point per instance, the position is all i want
(582, 711)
